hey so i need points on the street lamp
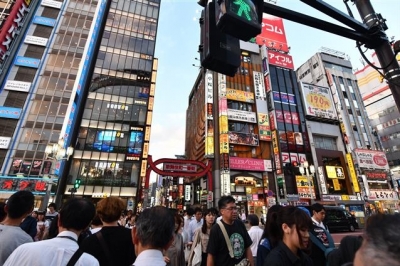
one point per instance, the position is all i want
(55, 152)
(308, 171)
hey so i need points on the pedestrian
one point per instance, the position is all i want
(294, 225)
(52, 212)
(243, 216)
(321, 240)
(74, 217)
(255, 233)
(29, 225)
(112, 245)
(202, 235)
(96, 224)
(174, 255)
(152, 234)
(197, 222)
(17, 207)
(229, 242)
(346, 251)
(381, 245)
(270, 236)
(42, 226)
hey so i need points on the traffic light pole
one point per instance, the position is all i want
(370, 33)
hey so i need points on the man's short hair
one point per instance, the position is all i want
(225, 200)
(317, 207)
(253, 219)
(198, 209)
(52, 205)
(77, 214)
(155, 227)
(110, 209)
(20, 204)
(190, 211)
(381, 244)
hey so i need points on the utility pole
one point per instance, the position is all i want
(384, 51)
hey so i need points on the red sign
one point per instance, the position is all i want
(273, 34)
(180, 167)
(280, 59)
(14, 21)
(287, 117)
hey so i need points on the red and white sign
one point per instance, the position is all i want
(382, 194)
(250, 164)
(273, 33)
(371, 159)
(14, 21)
(293, 157)
(180, 167)
(287, 117)
(280, 59)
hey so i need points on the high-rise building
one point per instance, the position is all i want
(350, 168)
(85, 73)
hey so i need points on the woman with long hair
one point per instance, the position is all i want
(270, 236)
(174, 255)
(293, 224)
(202, 235)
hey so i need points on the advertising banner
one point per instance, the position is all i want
(276, 151)
(372, 175)
(334, 172)
(10, 112)
(353, 174)
(287, 117)
(285, 98)
(294, 138)
(371, 159)
(304, 185)
(14, 85)
(290, 157)
(224, 143)
(243, 138)
(189, 168)
(5, 142)
(27, 62)
(36, 40)
(241, 96)
(44, 21)
(318, 101)
(280, 59)
(244, 116)
(264, 128)
(272, 33)
(259, 89)
(51, 3)
(382, 194)
(16, 184)
(250, 164)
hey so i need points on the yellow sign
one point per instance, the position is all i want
(345, 197)
(209, 146)
(336, 185)
(343, 128)
(352, 170)
(319, 101)
(223, 124)
(224, 143)
(335, 172)
(242, 96)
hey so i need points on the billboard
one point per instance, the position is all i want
(287, 117)
(318, 101)
(27, 62)
(259, 89)
(264, 128)
(243, 138)
(44, 21)
(371, 159)
(250, 164)
(14, 85)
(280, 59)
(135, 145)
(241, 96)
(239, 115)
(273, 33)
(285, 98)
(10, 112)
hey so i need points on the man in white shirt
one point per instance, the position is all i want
(318, 215)
(18, 206)
(153, 233)
(74, 217)
(186, 221)
(255, 233)
(195, 223)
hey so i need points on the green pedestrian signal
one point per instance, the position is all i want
(244, 9)
(77, 183)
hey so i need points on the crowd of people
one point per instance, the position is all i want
(84, 234)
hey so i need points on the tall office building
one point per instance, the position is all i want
(85, 73)
(351, 168)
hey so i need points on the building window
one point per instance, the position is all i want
(324, 142)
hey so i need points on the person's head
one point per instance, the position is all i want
(227, 208)
(294, 225)
(154, 229)
(34, 214)
(253, 219)
(190, 212)
(271, 228)
(198, 213)
(3, 214)
(178, 222)
(381, 245)
(110, 209)
(318, 212)
(53, 229)
(209, 219)
(19, 205)
(96, 222)
(76, 214)
(348, 247)
(52, 207)
(40, 216)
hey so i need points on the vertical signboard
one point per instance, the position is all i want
(209, 126)
(353, 174)
(224, 137)
(277, 156)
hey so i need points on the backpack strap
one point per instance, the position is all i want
(75, 257)
(104, 246)
(228, 242)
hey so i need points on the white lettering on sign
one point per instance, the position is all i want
(117, 106)
(272, 28)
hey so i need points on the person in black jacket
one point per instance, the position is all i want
(346, 251)
(29, 225)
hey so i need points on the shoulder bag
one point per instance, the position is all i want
(196, 251)
(243, 262)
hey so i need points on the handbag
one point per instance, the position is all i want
(195, 252)
(243, 262)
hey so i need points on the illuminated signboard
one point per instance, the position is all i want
(318, 101)
(273, 33)
(135, 145)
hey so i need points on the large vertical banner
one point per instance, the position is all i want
(224, 136)
(209, 87)
(273, 34)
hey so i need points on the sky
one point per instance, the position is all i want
(178, 38)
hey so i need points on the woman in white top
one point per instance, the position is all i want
(42, 226)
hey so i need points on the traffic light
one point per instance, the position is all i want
(77, 183)
(219, 52)
(240, 18)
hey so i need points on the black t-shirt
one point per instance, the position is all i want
(119, 242)
(281, 255)
(240, 241)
